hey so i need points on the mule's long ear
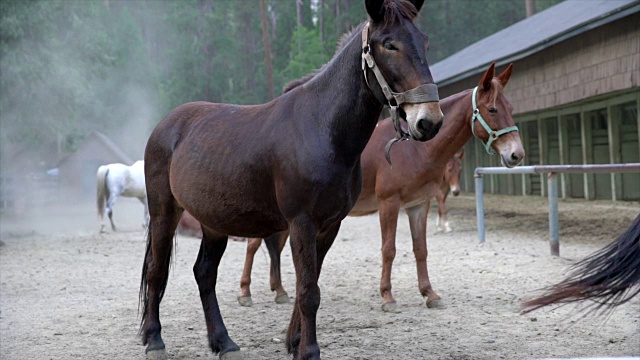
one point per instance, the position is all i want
(375, 9)
(417, 3)
(485, 82)
(504, 77)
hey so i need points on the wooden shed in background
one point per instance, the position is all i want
(78, 170)
(575, 90)
(32, 178)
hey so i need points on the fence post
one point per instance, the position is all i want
(554, 236)
(479, 206)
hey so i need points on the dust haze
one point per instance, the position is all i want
(56, 90)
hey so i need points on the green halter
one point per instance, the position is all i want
(493, 135)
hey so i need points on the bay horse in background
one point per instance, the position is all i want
(450, 183)
(416, 178)
(610, 277)
(189, 226)
(254, 171)
(116, 180)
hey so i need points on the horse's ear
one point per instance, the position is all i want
(417, 3)
(485, 82)
(375, 9)
(460, 154)
(504, 77)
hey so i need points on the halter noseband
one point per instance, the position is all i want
(493, 135)
(421, 94)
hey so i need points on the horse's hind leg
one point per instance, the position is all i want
(244, 299)
(155, 272)
(418, 224)
(205, 270)
(112, 200)
(275, 244)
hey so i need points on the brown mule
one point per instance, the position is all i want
(417, 173)
(450, 183)
(257, 170)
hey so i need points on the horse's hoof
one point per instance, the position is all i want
(160, 354)
(391, 307)
(435, 303)
(245, 301)
(232, 355)
(282, 299)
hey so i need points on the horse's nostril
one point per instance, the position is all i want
(424, 125)
(514, 157)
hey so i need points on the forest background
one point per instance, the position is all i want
(68, 67)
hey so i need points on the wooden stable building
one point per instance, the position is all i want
(575, 90)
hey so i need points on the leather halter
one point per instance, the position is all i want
(493, 135)
(421, 94)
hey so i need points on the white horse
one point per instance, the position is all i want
(119, 179)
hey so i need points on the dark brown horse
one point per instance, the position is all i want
(450, 183)
(293, 163)
(416, 177)
(610, 277)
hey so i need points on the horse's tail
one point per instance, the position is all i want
(103, 190)
(611, 275)
(143, 297)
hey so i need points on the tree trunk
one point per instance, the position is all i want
(299, 4)
(267, 48)
(531, 7)
(321, 21)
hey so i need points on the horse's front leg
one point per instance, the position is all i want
(442, 211)
(205, 270)
(301, 336)
(244, 299)
(275, 244)
(389, 210)
(418, 224)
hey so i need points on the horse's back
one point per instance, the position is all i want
(217, 161)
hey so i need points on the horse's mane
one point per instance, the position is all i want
(394, 10)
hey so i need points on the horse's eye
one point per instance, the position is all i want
(389, 46)
(493, 110)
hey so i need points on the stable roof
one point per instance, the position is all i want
(531, 35)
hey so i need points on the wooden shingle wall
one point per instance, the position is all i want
(599, 61)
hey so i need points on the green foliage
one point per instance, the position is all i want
(68, 67)
(311, 58)
(455, 24)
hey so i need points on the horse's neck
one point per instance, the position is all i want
(344, 103)
(456, 128)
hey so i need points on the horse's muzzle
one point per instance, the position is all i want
(424, 130)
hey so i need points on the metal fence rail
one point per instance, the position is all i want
(552, 181)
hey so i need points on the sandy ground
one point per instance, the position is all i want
(68, 292)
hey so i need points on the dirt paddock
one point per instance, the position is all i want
(67, 292)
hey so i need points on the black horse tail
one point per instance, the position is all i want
(610, 276)
(143, 297)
